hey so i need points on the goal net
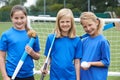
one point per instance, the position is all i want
(45, 25)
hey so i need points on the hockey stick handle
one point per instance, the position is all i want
(108, 26)
(43, 75)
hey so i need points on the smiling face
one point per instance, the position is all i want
(65, 25)
(19, 20)
(91, 23)
(90, 27)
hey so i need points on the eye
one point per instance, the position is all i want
(90, 25)
(22, 17)
(84, 26)
(67, 21)
(15, 17)
(61, 21)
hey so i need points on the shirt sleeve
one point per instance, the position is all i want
(105, 53)
(78, 50)
(3, 42)
(36, 46)
(48, 44)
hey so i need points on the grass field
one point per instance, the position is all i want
(43, 29)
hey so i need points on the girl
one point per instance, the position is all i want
(12, 45)
(96, 49)
(67, 48)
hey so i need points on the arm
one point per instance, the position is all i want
(77, 68)
(35, 55)
(2, 66)
(99, 64)
(32, 53)
(89, 64)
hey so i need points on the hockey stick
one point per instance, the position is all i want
(46, 61)
(32, 34)
(20, 63)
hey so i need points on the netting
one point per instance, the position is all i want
(45, 25)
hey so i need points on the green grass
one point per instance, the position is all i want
(43, 29)
(4, 26)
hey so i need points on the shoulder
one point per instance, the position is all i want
(85, 38)
(77, 39)
(7, 32)
(104, 40)
(50, 36)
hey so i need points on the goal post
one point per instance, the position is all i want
(45, 25)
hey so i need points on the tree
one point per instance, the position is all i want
(14, 2)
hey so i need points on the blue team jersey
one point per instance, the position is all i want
(13, 42)
(63, 53)
(95, 49)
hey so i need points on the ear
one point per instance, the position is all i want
(97, 22)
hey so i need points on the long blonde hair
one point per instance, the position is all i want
(93, 17)
(65, 12)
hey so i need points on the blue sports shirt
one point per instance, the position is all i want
(62, 55)
(13, 42)
(95, 49)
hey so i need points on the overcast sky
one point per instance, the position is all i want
(30, 2)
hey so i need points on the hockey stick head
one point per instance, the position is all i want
(31, 33)
(117, 25)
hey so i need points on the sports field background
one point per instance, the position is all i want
(5, 25)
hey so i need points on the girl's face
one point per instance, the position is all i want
(19, 20)
(65, 25)
(90, 27)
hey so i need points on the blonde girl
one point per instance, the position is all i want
(96, 49)
(67, 49)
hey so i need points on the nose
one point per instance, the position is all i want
(19, 20)
(88, 28)
(65, 23)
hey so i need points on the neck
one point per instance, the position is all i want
(64, 33)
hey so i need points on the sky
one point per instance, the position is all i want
(30, 2)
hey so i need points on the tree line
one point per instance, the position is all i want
(51, 7)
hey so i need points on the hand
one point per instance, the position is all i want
(44, 71)
(31, 33)
(28, 49)
(87, 66)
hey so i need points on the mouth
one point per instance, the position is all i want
(19, 24)
(88, 31)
